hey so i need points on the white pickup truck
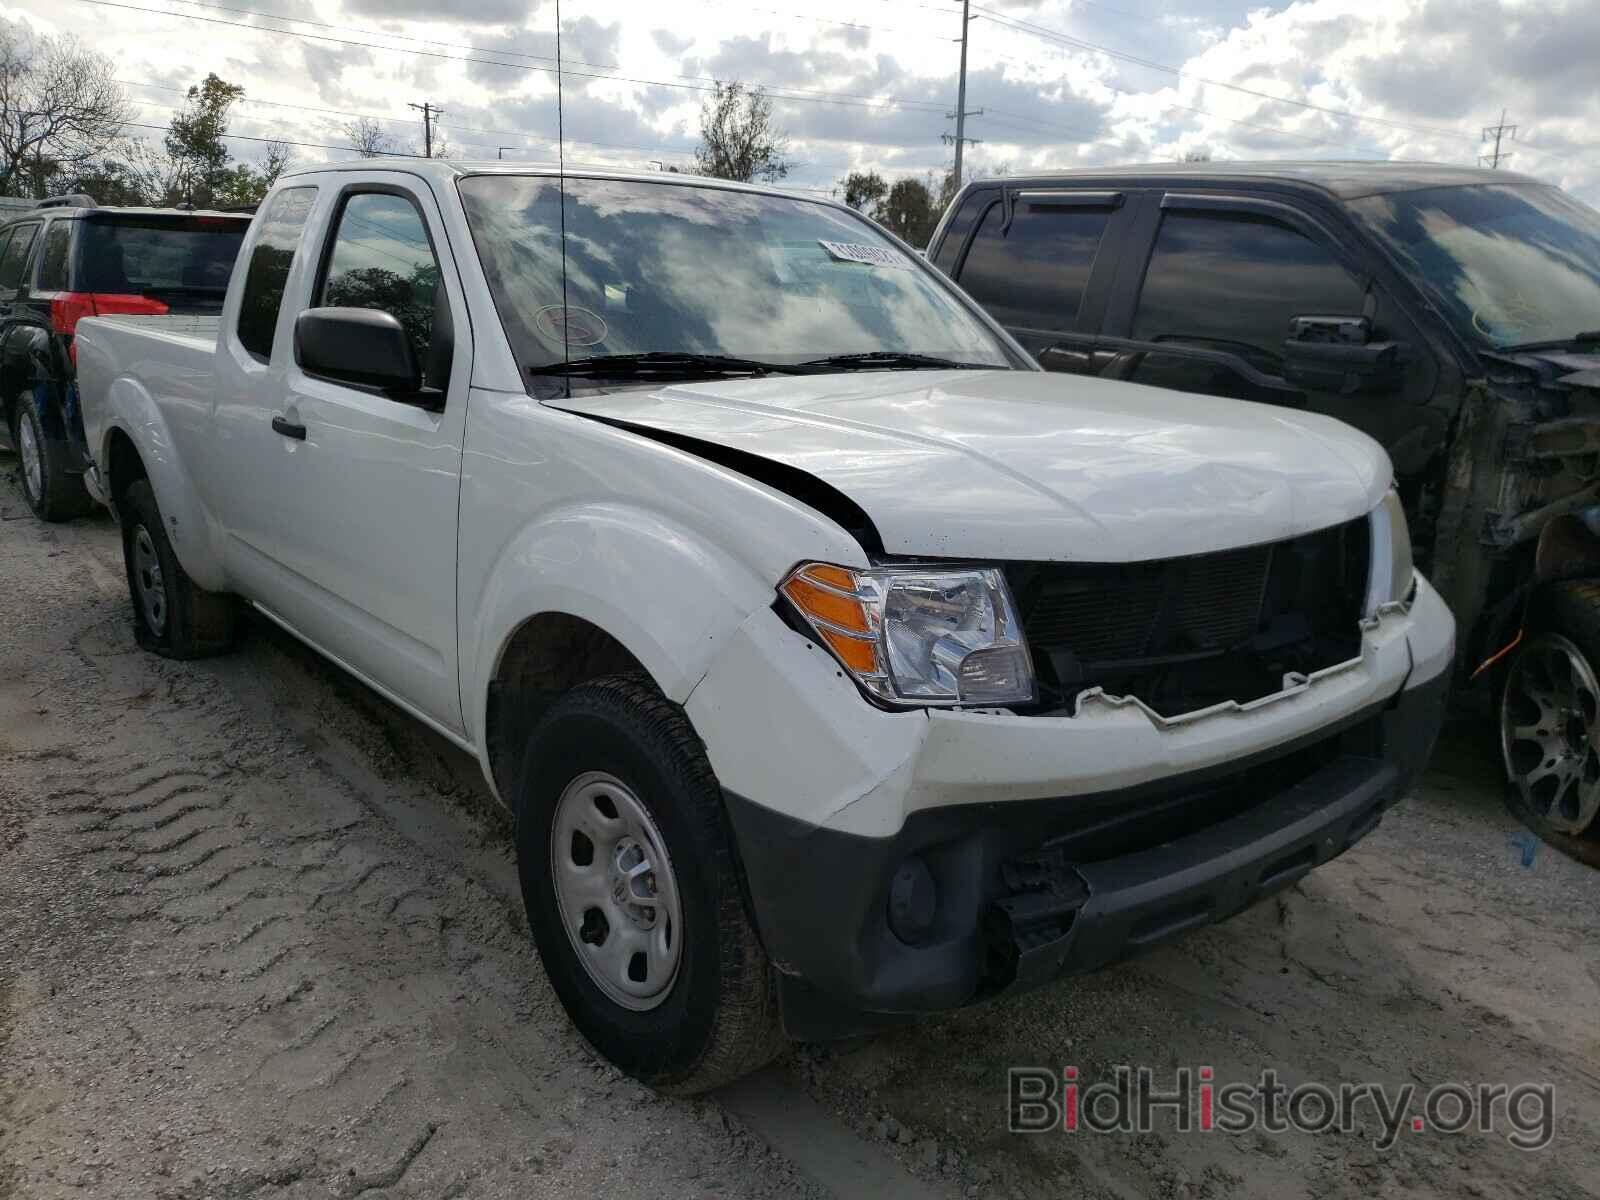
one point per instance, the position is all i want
(838, 665)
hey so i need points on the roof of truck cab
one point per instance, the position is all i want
(1344, 180)
(444, 170)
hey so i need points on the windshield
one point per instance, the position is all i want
(1508, 265)
(130, 256)
(664, 268)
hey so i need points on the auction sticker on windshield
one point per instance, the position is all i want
(874, 256)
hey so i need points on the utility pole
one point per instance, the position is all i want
(1497, 132)
(430, 114)
(961, 114)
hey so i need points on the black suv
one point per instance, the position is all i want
(1452, 313)
(66, 259)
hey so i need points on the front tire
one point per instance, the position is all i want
(1550, 710)
(52, 491)
(633, 892)
(172, 616)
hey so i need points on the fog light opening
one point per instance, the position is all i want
(913, 901)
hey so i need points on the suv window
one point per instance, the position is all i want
(381, 258)
(53, 260)
(270, 260)
(1231, 282)
(16, 256)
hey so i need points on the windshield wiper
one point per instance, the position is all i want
(892, 360)
(665, 362)
(1588, 337)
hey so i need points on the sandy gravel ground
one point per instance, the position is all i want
(260, 937)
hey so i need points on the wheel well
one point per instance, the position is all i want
(123, 466)
(548, 655)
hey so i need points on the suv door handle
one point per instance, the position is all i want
(289, 429)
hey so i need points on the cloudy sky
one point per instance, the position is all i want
(867, 83)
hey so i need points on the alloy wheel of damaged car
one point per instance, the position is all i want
(1550, 732)
(632, 889)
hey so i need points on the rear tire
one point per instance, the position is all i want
(633, 890)
(52, 491)
(1550, 710)
(172, 616)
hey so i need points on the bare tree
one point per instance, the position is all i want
(278, 160)
(60, 107)
(737, 137)
(369, 139)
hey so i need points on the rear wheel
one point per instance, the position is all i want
(1550, 711)
(172, 616)
(633, 893)
(52, 491)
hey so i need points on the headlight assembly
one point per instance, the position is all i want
(919, 635)
(1391, 577)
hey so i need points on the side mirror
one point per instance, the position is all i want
(1337, 354)
(361, 346)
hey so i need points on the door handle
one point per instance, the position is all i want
(289, 429)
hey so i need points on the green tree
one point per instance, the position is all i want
(199, 158)
(864, 189)
(738, 138)
(908, 211)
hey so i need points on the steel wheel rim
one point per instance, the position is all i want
(1550, 732)
(616, 891)
(149, 588)
(32, 461)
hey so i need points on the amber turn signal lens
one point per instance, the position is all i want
(856, 653)
(825, 605)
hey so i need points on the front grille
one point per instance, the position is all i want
(1114, 614)
(1182, 633)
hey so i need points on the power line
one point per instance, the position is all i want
(794, 95)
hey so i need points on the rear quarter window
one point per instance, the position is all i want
(53, 272)
(15, 256)
(271, 258)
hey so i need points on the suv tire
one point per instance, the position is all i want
(1550, 710)
(172, 616)
(52, 491)
(633, 890)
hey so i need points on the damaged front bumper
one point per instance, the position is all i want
(1032, 847)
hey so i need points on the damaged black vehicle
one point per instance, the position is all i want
(1452, 313)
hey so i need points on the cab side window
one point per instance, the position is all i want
(955, 235)
(1232, 282)
(15, 257)
(1032, 274)
(381, 258)
(270, 260)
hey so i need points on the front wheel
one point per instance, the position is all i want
(172, 615)
(1550, 711)
(633, 894)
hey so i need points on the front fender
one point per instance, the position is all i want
(666, 593)
(131, 409)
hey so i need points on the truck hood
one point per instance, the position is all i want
(1029, 465)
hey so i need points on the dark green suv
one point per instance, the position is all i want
(68, 258)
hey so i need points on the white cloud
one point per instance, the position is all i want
(868, 86)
